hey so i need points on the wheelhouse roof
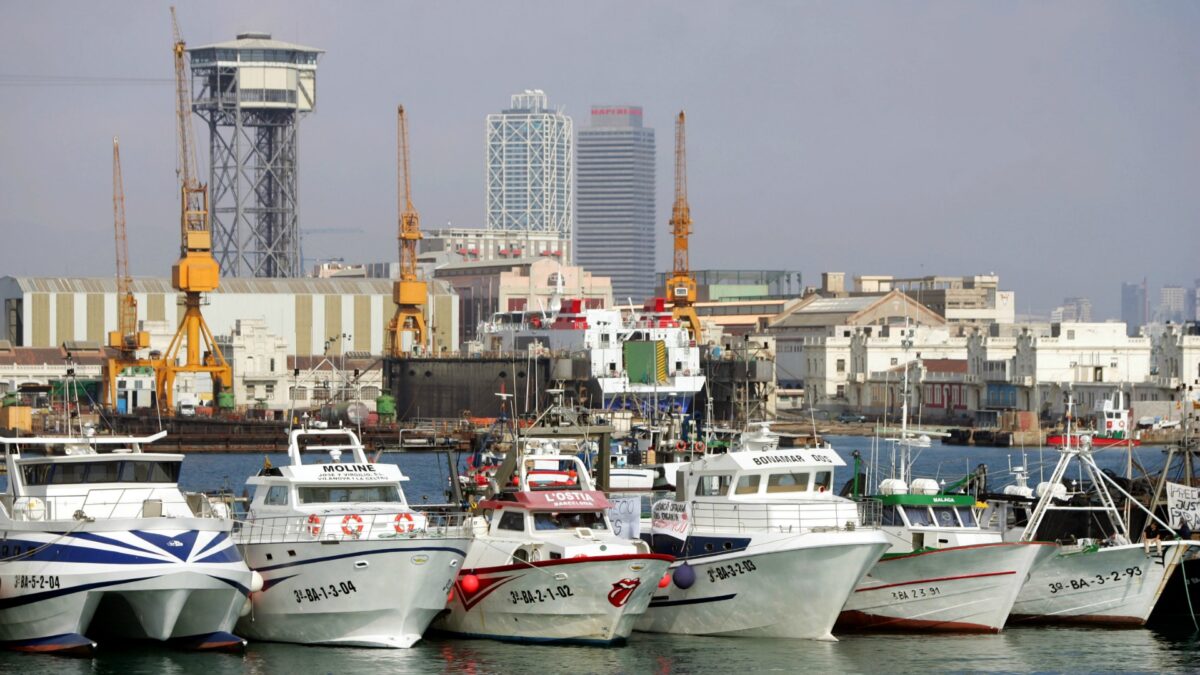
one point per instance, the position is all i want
(802, 458)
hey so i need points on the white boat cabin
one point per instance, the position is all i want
(93, 477)
(340, 495)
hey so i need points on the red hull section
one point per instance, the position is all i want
(852, 620)
(1058, 440)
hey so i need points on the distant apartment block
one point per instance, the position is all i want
(1171, 304)
(615, 233)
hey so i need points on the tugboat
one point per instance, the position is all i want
(345, 560)
(98, 542)
(545, 565)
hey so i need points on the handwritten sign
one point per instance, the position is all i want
(671, 518)
(626, 516)
(1183, 504)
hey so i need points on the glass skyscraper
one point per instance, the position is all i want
(615, 229)
(530, 172)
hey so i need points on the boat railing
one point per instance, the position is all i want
(102, 504)
(814, 515)
(337, 527)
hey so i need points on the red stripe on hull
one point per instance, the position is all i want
(568, 561)
(1096, 442)
(850, 620)
(933, 580)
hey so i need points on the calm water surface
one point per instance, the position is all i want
(1175, 649)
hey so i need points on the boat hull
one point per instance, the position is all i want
(592, 600)
(1117, 586)
(363, 593)
(146, 582)
(789, 588)
(968, 589)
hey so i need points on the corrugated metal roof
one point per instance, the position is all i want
(839, 305)
(302, 286)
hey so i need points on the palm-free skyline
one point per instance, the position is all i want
(1057, 145)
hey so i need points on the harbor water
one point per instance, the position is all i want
(1161, 649)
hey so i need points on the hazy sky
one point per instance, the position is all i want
(1056, 144)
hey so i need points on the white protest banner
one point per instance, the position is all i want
(626, 516)
(671, 518)
(1183, 504)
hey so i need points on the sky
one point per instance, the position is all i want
(1056, 144)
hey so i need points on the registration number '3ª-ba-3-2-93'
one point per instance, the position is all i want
(1111, 577)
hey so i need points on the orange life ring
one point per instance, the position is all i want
(820, 488)
(680, 446)
(699, 446)
(356, 529)
(314, 524)
(401, 518)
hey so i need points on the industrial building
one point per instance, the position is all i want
(614, 201)
(45, 312)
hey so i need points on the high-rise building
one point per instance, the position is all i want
(615, 230)
(1171, 303)
(1133, 307)
(530, 169)
(1077, 310)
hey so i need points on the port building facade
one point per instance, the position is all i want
(614, 200)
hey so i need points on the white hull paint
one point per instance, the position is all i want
(128, 578)
(790, 588)
(1117, 585)
(366, 593)
(587, 600)
(959, 589)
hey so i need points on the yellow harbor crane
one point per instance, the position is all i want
(681, 286)
(406, 331)
(127, 339)
(196, 271)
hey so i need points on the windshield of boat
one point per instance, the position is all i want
(569, 521)
(349, 493)
(104, 471)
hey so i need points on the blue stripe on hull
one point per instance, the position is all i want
(70, 644)
(8, 603)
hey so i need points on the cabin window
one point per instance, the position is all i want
(347, 494)
(512, 520)
(277, 496)
(823, 481)
(747, 484)
(787, 482)
(918, 515)
(944, 515)
(967, 516)
(569, 521)
(891, 516)
(124, 471)
(713, 486)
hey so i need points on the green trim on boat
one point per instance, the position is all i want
(926, 500)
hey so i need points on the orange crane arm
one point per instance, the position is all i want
(681, 214)
(410, 220)
(126, 302)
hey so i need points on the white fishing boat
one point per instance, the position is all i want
(345, 560)
(1100, 579)
(943, 572)
(98, 542)
(545, 565)
(763, 547)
